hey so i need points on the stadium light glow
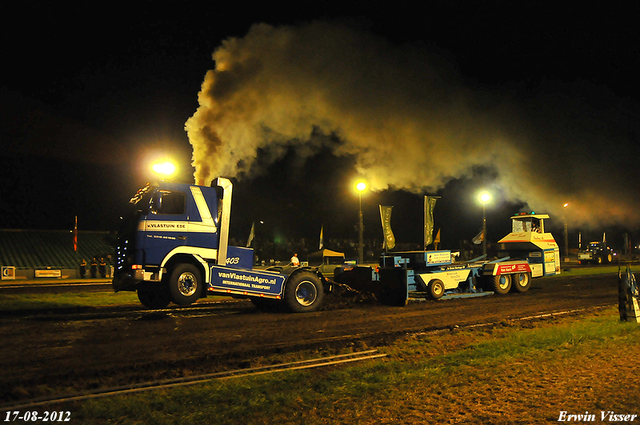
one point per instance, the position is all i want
(164, 169)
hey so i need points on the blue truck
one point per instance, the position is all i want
(173, 247)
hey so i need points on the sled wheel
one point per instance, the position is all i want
(501, 283)
(436, 289)
(521, 281)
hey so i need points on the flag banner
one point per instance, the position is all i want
(252, 234)
(429, 205)
(477, 239)
(75, 235)
(321, 237)
(385, 217)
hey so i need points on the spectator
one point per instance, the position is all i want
(102, 268)
(83, 268)
(94, 268)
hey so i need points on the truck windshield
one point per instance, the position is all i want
(168, 202)
(521, 225)
(529, 224)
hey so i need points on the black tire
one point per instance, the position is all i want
(155, 298)
(436, 289)
(600, 260)
(304, 293)
(501, 284)
(609, 258)
(521, 282)
(185, 284)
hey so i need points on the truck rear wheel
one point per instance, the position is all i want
(436, 289)
(155, 298)
(304, 293)
(185, 284)
(501, 283)
(521, 281)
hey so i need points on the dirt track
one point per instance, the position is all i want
(53, 353)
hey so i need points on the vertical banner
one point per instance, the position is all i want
(75, 235)
(321, 237)
(252, 234)
(477, 239)
(385, 217)
(429, 205)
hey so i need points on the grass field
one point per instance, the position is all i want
(584, 271)
(41, 301)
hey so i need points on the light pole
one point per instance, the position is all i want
(566, 235)
(484, 198)
(360, 187)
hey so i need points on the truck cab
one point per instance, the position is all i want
(164, 221)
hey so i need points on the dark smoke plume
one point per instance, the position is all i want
(410, 122)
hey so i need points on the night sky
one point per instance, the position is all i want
(91, 94)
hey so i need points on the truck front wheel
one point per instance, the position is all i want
(501, 283)
(185, 284)
(304, 293)
(521, 281)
